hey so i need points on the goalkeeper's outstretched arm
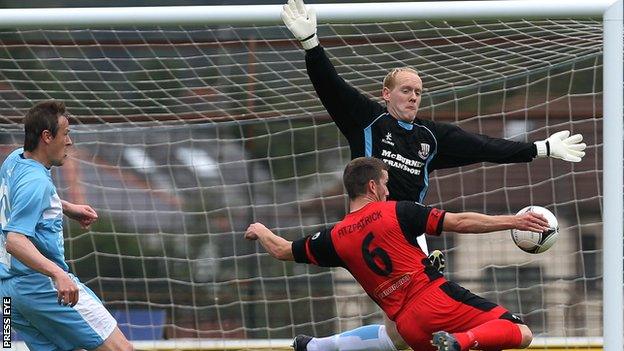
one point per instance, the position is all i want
(457, 147)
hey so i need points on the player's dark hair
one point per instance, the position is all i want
(42, 116)
(359, 172)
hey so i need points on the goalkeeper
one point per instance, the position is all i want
(413, 148)
(52, 309)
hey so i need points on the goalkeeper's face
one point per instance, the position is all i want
(403, 96)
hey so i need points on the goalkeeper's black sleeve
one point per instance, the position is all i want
(457, 147)
(349, 109)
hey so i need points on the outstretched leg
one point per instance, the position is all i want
(369, 337)
(494, 335)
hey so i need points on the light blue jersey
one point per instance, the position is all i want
(29, 205)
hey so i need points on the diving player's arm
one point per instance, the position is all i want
(316, 249)
(472, 222)
(20, 247)
(415, 219)
(275, 245)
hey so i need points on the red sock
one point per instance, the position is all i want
(496, 334)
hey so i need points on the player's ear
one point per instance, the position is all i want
(371, 187)
(385, 94)
(46, 136)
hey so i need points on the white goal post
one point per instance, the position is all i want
(326, 13)
(613, 127)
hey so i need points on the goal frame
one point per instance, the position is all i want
(613, 133)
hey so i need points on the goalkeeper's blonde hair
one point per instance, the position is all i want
(390, 78)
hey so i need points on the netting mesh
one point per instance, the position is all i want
(183, 136)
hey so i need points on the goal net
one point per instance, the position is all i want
(183, 136)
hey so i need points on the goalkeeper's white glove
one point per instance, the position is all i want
(301, 22)
(562, 146)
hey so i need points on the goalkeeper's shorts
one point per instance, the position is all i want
(445, 305)
(45, 325)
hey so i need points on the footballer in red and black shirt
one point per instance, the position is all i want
(388, 263)
(376, 242)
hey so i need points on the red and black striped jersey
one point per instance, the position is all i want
(377, 244)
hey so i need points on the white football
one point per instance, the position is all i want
(532, 242)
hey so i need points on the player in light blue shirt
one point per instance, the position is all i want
(51, 308)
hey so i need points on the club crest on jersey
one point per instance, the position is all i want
(424, 151)
(388, 139)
